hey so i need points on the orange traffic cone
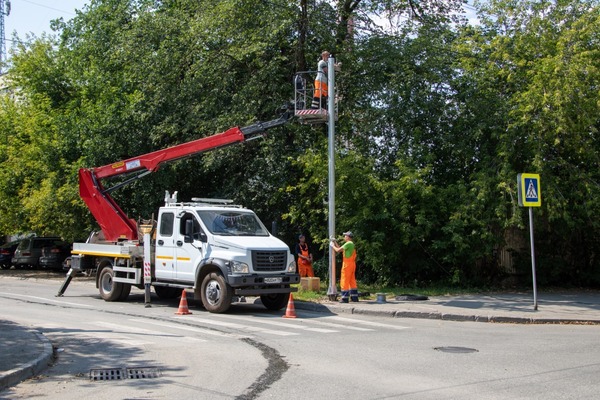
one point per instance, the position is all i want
(290, 311)
(183, 306)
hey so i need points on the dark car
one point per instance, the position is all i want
(54, 256)
(6, 254)
(29, 251)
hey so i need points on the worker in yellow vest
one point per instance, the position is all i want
(348, 285)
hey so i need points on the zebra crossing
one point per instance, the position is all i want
(202, 327)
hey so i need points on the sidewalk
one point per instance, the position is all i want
(559, 308)
(25, 352)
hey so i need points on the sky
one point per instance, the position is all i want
(35, 15)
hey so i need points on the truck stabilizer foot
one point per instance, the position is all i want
(65, 284)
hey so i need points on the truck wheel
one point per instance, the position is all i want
(109, 289)
(216, 293)
(166, 293)
(274, 301)
(126, 290)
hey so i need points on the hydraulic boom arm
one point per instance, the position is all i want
(112, 220)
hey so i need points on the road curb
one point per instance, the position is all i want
(31, 368)
(350, 309)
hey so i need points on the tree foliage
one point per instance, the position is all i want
(436, 119)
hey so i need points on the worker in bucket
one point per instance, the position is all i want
(348, 278)
(321, 87)
(305, 258)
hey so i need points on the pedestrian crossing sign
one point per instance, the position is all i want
(529, 190)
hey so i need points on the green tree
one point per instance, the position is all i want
(542, 61)
(436, 119)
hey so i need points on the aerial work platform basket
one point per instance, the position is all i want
(309, 106)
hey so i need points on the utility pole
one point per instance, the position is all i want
(332, 290)
(4, 11)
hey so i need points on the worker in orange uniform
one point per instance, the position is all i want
(321, 88)
(348, 278)
(305, 258)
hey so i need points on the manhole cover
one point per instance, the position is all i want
(113, 374)
(455, 349)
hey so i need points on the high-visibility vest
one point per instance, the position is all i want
(349, 260)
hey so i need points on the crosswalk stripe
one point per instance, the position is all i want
(291, 324)
(367, 323)
(136, 330)
(242, 327)
(181, 327)
(338, 326)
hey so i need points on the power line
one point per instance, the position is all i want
(50, 8)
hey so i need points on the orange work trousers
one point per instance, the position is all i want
(305, 268)
(348, 278)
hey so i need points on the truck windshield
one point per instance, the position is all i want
(232, 223)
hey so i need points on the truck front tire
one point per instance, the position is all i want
(275, 301)
(216, 293)
(109, 289)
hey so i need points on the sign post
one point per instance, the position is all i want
(530, 196)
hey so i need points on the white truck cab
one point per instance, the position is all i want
(223, 250)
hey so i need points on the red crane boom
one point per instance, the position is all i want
(113, 221)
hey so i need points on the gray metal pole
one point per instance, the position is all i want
(332, 290)
(535, 303)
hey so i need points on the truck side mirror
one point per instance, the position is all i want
(189, 231)
(191, 235)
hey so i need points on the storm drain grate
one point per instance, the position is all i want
(114, 374)
(142, 373)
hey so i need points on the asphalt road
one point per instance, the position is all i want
(251, 353)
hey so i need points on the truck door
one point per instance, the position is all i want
(164, 262)
(188, 255)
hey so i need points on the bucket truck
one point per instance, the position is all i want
(219, 250)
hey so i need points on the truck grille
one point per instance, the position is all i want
(269, 260)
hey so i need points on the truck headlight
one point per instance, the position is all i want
(291, 267)
(239, 267)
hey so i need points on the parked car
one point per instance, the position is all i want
(6, 254)
(53, 256)
(29, 251)
(66, 265)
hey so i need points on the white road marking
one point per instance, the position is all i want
(291, 324)
(367, 323)
(186, 328)
(242, 327)
(141, 331)
(45, 299)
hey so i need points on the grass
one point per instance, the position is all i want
(434, 290)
